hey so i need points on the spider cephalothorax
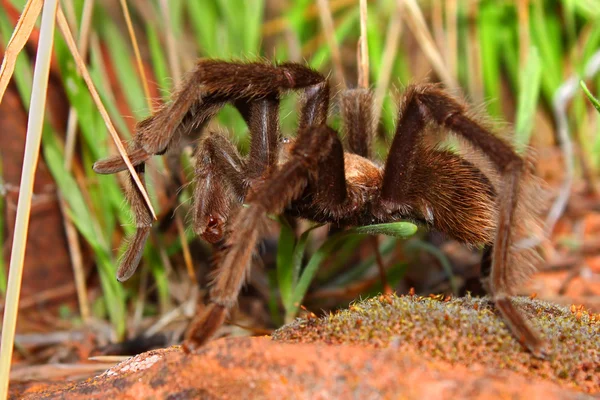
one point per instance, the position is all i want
(313, 177)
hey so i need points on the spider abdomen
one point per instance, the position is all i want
(454, 197)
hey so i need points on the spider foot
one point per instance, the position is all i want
(204, 326)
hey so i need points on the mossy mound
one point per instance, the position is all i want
(468, 331)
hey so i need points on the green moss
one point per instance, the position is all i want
(466, 331)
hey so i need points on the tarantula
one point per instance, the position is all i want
(311, 176)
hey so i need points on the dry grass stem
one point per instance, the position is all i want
(451, 44)
(187, 255)
(55, 371)
(327, 23)
(174, 62)
(278, 25)
(76, 260)
(524, 37)
(392, 40)
(437, 22)
(66, 32)
(475, 81)
(138, 57)
(17, 41)
(363, 59)
(416, 23)
(35, 123)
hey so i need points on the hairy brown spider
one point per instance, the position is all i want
(311, 176)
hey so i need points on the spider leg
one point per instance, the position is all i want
(143, 222)
(268, 196)
(210, 85)
(204, 91)
(424, 103)
(331, 182)
(219, 185)
(356, 107)
(262, 118)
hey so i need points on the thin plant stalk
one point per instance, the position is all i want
(64, 28)
(83, 42)
(174, 63)
(416, 23)
(70, 230)
(30, 159)
(175, 67)
(17, 41)
(392, 40)
(451, 52)
(76, 260)
(138, 57)
(328, 29)
(363, 60)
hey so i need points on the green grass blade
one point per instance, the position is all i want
(529, 90)
(309, 272)
(285, 264)
(397, 229)
(590, 96)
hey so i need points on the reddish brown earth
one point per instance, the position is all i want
(260, 368)
(388, 347)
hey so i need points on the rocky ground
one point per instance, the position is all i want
(388, 347)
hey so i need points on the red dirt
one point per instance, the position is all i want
(260, 368)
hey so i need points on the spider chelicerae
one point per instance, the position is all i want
(313, 176)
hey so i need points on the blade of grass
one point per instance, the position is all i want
(24, 72)
(590, 96)
(76, 261)
(30, 159)
(84, 36)
(127, 74)
(85, 223)
(416, 22)
(158, 61)
(174, 62)
(64, 27)
(397, 229)
(285, 256)
(328, 29)
(363, 51)
(358, 271)
(392, 41)
(489, 26)
(138, 57)
(529, 90)
(18, 39)
(2, 266)
(345, 27)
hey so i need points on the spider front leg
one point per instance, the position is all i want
(269, 195)
(219, 186)
(143, 222)
(204, 91)
(405, 182)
